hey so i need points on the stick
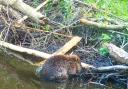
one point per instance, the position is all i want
(99, 25)
(105, 68)
(24, 8)
(87, 66)
(37, 8)
(68, 45)
(112, 68)
(25, 50)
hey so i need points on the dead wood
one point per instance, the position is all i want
(24, 8)
(12, 12)
(118, 53)
(102, 25)
(37, 8)
(112, 68)
(25, 50)
(68, 45)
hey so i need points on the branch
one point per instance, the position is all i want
(112, 68)
(68, 45)
(99, 25)
(105, 68)
(37, 8)
(24, 8)
(25, 50)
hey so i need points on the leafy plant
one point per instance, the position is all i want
(66, 8)
(103, 51)
(105, 38)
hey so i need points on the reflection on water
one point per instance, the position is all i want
(15, 74)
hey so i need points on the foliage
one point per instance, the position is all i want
(103, 51)
(105, 38)
(64, 6)
(118, 8)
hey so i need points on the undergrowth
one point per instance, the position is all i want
(111, 9)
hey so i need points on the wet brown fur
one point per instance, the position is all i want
(59, 67)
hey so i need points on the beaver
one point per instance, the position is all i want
(58, 68)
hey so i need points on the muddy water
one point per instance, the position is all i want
(15, 74)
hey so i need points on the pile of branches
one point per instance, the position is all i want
(24, 26)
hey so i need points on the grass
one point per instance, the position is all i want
(116, 7)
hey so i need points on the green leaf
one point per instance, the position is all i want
(106, 38)
(104, 51)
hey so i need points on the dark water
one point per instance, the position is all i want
(15, 74)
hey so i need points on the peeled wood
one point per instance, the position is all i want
(68, 45)
(37, 8)
(63, 49)
(25, 50)
(99, 25)
(24, 8)
(119, 54)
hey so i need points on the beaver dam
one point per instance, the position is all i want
(34, 31)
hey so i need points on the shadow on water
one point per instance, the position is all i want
(15, 74)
